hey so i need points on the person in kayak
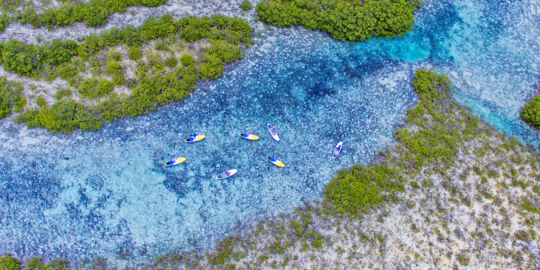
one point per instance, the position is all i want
(273, 159)
(274, 129)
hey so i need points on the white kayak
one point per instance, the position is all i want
(273, 132)
(337, 150)
(227, 174)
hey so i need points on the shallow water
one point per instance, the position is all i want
(106, 192)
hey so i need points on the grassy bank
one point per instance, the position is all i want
(351, 20)
(122, 71)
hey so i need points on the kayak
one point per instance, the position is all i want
(272, 132)
(275, 161)
(175, 161)
(197, 138)
(337, 150)
(227, 173)
(250, 136)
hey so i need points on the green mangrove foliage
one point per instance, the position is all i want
(10, 97)
(246, 5)
(93, 12)
(10, 263)
(530, 112)
(196, 48)
(352, 20)
(440, 125)
(360, 187)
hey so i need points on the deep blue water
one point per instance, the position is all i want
(96, 193)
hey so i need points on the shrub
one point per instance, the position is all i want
(152, 3)
(41, 102)
(530, 112)
(134, 53)
(360, 187)
(186, 59)
(104, 87)
(115, 69)
(21, 58)
(87, 87)
(62, 93)
(211, 68)
(114, 55)
(34, 263)
(317, 241)
(246, 5)
(10, 97)
(161, 46)
(224, 251)
(4, 21)
(67, 71)
(95, 88)
(9, 263)
(59, 264)
(88, 118)
(57, 51)
(29, 117)
(95, 13)
(31, 17)
(171, 61)
(61, 116)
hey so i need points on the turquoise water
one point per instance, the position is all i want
(106, 192)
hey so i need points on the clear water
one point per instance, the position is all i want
(98, 193)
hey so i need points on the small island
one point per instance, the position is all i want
(356, 20)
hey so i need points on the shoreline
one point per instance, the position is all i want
(456, 257)
(477, 196)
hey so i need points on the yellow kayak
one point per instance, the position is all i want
(249, 136)
(275, 161)
(175, 161)
(196, 138)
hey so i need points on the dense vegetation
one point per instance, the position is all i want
(246, 5)
(353, 20)
(435, 140)
(10, 97)
(93, 12)
(156, 81)
(530, 112)
(35, 263)
(9, 263)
